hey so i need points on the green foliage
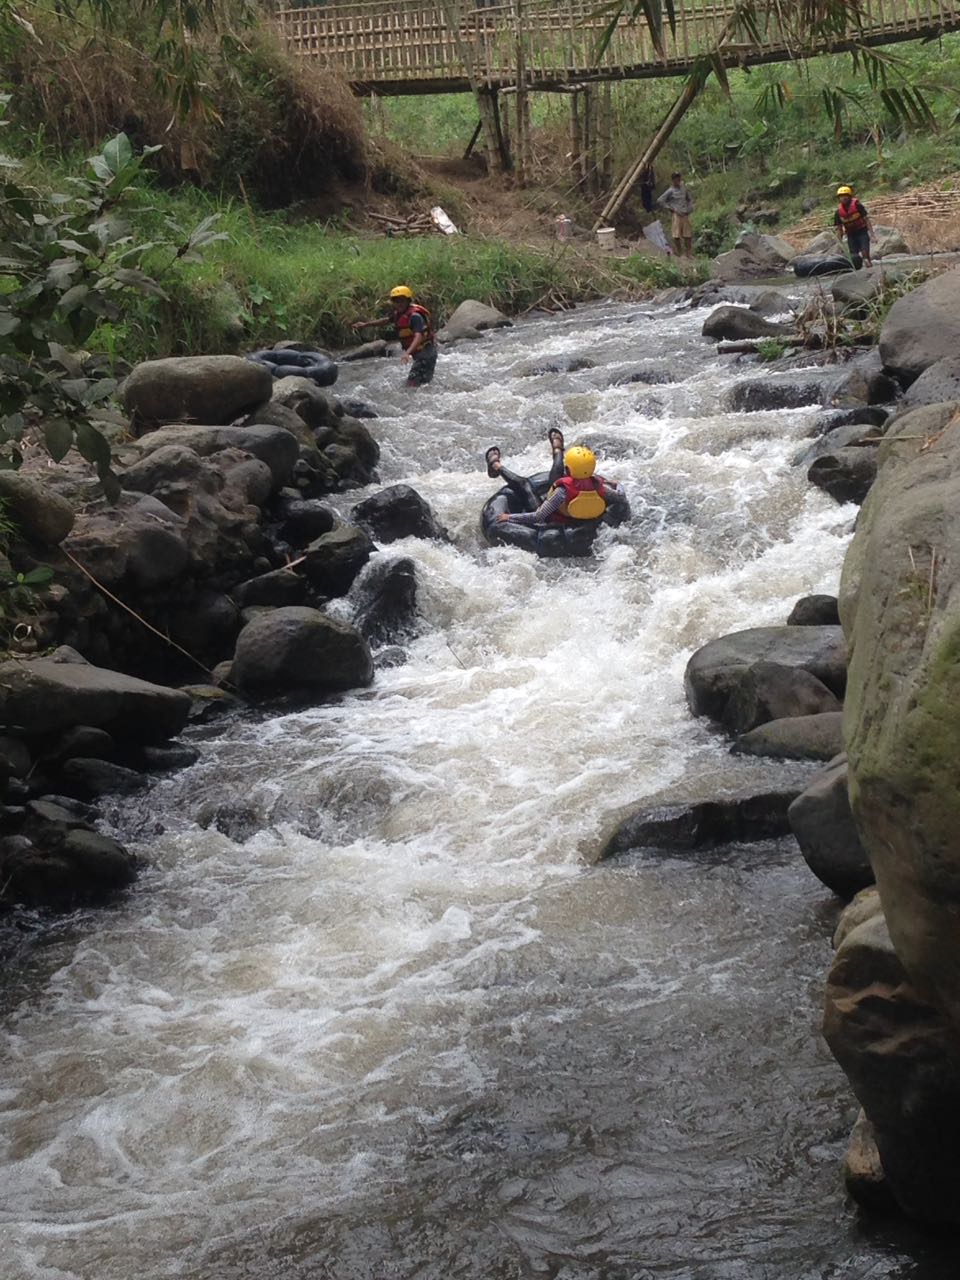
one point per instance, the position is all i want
(770, 348)
(66, 260)
(177, 36)
(18, 591)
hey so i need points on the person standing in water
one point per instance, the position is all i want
(413, 326)
(852, 220)
(679, 201)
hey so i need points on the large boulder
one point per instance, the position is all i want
(863, 382)
(397, 512)
(744, 816)
(922, 327)
(823, 824)
(823, 245)
(332, 562)
(814, 611)
(46, 696)
(62, 865)
(739, 322)
(900, 605)
(313, 405)
(936, 385)
(754, 256)
(886, 241)
(755, 395)
(854, 292)
(386, 600)
(902, 1057)
(40, 515)
(368, 350)
(772, 691)
(272, 445)
(471, 319)
(208, 389)
(808, 737)
(846, 474)
(300, 652)
(716, 669)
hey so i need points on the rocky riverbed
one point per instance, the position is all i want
(367, 710)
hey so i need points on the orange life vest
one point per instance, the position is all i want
(591, 509)
(851, 216)
(406, 334)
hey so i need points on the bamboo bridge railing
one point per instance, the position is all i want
(443, 46)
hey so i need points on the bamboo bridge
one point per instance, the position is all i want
(449, 46)
(518, 47)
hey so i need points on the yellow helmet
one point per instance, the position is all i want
(844, 191)
(401, 291)
(580, 462)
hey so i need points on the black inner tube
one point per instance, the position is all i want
(551, 540)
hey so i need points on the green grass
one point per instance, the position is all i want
(274, 279)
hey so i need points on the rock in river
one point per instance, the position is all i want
(207, 389)
(301, 652)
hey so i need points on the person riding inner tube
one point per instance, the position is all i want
(557, 513)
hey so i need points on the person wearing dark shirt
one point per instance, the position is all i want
(852, 220)
(413, 326)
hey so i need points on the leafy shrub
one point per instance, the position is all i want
(65, 258)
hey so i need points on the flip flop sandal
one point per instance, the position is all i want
(490, 457)
(554, 435)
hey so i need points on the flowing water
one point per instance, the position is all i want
(371, 1013)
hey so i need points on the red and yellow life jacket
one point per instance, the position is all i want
(406, 334)
(851, 216)
(583, 499)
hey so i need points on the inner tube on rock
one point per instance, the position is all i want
(316, 366)
(832, 266)
(549, 541)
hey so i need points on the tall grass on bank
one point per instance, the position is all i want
(273, 280)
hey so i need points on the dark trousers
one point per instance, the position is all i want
(521, 484)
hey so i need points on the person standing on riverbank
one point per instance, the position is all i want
(413, 326)
(679, 201)
(852, 220)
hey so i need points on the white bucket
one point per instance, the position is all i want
(607, 238)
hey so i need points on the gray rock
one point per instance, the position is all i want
(853, 293)
(272, 445)
(87, 779)
(936, 385)
(300, 652)
(86, 741)
(716, 669)
(277, 588)
(886, 241)
(815, 611)
(52, 696)
(742, 817)
(14, 758)
(470, 319)
(170, 464)
(170, 756)
(863, 382)
(303, 519)
(397, 512)
(555, 364)
(772, 691)
(847, 474)
(69, 868)
(807, 737)
(368, 350)
(902, 1056)
(922, 327)
(386, 600)
(823, 245)
(313, 405)
(769, 302)
(822, 821)
(754, 256)
(40, 516)
(275, 414)
(207, 389)
(758, 394)
(739, 322)
(332, 562)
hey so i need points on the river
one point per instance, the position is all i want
(388, 1022)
